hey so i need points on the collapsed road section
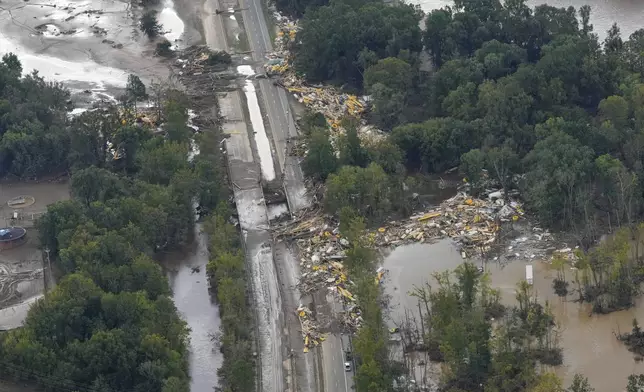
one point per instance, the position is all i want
(273, 267)
(245, 174)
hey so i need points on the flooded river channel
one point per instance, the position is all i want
(588, 341)
(187, 275)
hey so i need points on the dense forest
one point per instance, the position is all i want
(109, 325)
(514, 97)
(525, 98)
(529, 95)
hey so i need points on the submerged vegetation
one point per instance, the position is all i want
(609, 275)
(109, 324)
(483, 345)
(515, 97)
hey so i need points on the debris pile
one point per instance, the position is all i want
(333, 104)
(201, 70)
(326, 100)
(194, 61)
(322, 250)
(310, 334)
(530, 245)
(568, 254)
(472, 223)
(325, 271)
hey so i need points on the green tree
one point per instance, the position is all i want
(436, 144)
(92, 131)
(548, 382)
(320, 160)
(472, 165)
(351, 151)
(149, 24)
(135, 89)
(559, 168)
(619, 186)
(94, 184)
(580, 384)
(389, 82)
(635, 383)
(58, 223)
(436, 37)
(332, 38)
(128, 141)
(500, 59)
(386, 154)
(158, 163)
(391, 72)
(501, 163)
(176, 115)
(364, 189)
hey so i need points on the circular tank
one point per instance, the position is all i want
(11, 237)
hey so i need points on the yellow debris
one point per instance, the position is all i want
(381, 229)
(429, 216)
(469, 202)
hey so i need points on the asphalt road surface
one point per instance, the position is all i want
(336, 377)
(282, 127)
(280, 118)
(244, 172)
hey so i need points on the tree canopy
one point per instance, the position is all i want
(109, 325)
(529, 94)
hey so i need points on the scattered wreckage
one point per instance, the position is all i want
(310, 333)
(330, 101)
(474, 224)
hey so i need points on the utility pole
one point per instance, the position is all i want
(47, 281)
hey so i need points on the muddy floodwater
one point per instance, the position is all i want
(588, 341)
(189, 283)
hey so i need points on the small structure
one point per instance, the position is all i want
(11, 237)
(21, 202)
(528, 274)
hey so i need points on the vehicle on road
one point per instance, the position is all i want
(347, 366)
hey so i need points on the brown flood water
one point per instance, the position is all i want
(198, 308)
(588, 341)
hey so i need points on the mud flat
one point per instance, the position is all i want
(588, 341)
(22, 271)
(91, 45)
